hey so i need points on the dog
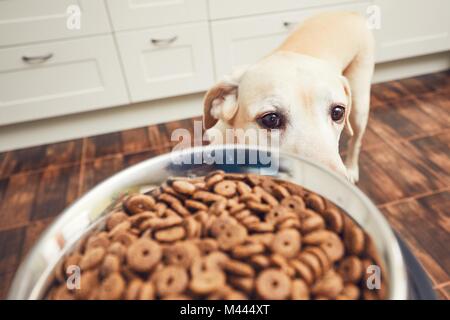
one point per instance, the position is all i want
(315, 84)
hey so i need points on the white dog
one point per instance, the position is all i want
(311, 87)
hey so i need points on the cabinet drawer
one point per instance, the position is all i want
(246, 40)
(423, 28)
(166, 61)
(58, 78)
(129, 14)
(23, 21)
(219, 9)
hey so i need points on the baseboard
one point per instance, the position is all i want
(411, 67)
(142, 114)
(98, 122)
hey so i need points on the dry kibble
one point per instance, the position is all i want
(287, 243)
(110, 264)
(223, 236)
(112, 287)
(170, 280)
(92, 258)
(139, 203)
(147, 291)
(329, 286)
(143, 255)
(351, 269)
(133, 289)
(295, 203)
(312, 262)
(273, 284)
(300, 290)
(333, 219)
(207, 282)
(354, 240)
(182, 254)
(231, 235)
(115, 219)
(171, 234)
(183, 187)
(225, 188)
(350, 291)
(315, 202)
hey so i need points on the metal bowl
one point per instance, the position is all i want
(32, 278)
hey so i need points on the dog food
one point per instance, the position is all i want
(223, 236)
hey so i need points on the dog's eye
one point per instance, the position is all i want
(271, 120)
(337, 113)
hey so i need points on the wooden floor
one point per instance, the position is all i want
(405, 170)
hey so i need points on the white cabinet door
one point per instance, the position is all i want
(129, 14)
(246, 40)
(23, 21)
(58, 78)
(166, 61)
(219, 9)
(412, 27)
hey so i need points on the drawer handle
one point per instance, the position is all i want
(37, 59)
(168, 41)
(289, 24)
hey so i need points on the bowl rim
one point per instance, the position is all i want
(397, 268)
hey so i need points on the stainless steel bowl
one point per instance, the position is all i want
(32, 278)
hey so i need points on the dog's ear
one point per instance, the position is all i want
(220, 102)
(348, 93)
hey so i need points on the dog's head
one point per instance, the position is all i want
(305, 99)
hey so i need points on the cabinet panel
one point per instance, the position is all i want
(166, 61)
(246, 40)
(412, 28)
(129, 14)
(57, 78)
(27, 21)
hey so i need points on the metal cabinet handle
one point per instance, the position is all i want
(288, 24)
(164, 41)
(37, 59)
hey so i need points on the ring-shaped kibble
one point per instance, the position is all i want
(225, 188)
(139, 203)
(112, 287)
(115, 218)
(333, 219)
(354, 240)
(181, 254)
(321, 255)
(231, 235)
(295, 203)
(92, 258)
(329, 286)
(220, 224)
(315, 202)
(333, 247)
(300, 290)
(287, 243)
(303, 271)
(351, 269)
(279, 214)
(313, 262)
(223, 243)
(273, 284)
(143, 255)
(133, 289)
(207, 282)
(183, 186)
(171, 280)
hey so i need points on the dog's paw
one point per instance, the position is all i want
(353, 174)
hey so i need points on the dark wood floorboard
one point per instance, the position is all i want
(405, 170)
